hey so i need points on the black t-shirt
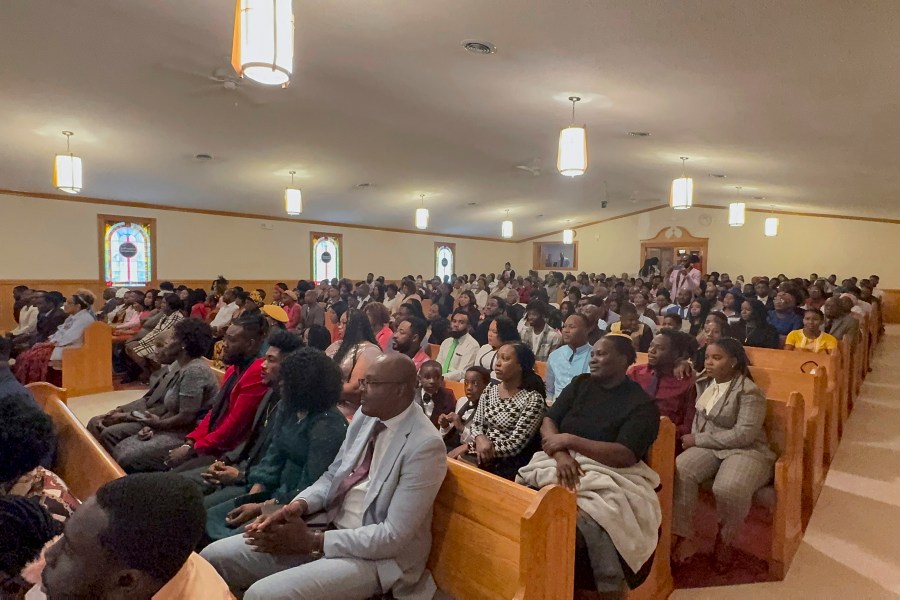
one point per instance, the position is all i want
(624, 414)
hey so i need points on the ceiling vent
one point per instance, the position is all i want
(477, 47)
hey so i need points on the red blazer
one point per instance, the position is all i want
(235, 424)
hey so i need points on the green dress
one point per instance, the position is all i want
(301, 451)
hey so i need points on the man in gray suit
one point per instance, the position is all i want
(376, 499)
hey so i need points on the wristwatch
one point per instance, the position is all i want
(318, 544)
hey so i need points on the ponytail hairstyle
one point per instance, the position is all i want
(735, 349)
(531, 381)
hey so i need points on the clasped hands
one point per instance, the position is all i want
(282, 532)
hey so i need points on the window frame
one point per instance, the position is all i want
(102, 221)
(437, 247)
(338, 238)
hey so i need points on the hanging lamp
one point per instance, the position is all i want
(263, 43)
(422, 215)
(771, 227)
(682, 196)
(506, 228)
(572, 158)
(568, 235)
(736, 211)
(293, 198)
(67, 170)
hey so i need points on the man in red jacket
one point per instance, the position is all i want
(229, 421)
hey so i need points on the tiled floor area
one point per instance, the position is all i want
(851, 549)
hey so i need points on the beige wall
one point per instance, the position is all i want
(54, 239)
(803, 245)
(60, 239)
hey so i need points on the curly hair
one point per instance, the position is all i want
(531, 381)
(195, 336)
(377, 313)
(285, 340)
(759, 316)
(310, 381)
(682, 343)
(358, 330)
(26, 435)
(506, 329)
(26, 527)
(173, 302)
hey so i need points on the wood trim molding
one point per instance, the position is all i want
(774, 211)
(241, 215)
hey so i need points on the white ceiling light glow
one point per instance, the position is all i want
(263, 44)
(771, 227)
(67, 170)
(572, 158)
(422, 215)
(506, 228)
(682, 196)
(568, 235)
(293, 198)
(736, 211)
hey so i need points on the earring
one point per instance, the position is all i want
(734, 365)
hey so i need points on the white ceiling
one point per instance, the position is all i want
(797, 101)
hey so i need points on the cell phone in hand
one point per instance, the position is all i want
(139, 414)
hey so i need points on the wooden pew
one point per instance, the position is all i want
(661, 458)
(494, 539)
(88, 370)
(806, 362)
(780, 385)
(457, 387)
(81, 461)
(847, 377)
(433, 350)
(540, 367)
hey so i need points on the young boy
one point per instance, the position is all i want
(455, 425)
(433, 397)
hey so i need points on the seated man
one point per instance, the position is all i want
(409, 338)
(536, 334)
(432, 396)
(134, 540)
(381, 525)
(228, 422)
(50, 317)
(458, 351)
(566, 362)
(672, 321)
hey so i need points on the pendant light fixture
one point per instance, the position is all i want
(736, 211)
(771, 227)
(293, 199)
(422, 215)
(572, 158)
(506, 228)
(67, 170)
(568, 235)
(682, 196)
(263, 45)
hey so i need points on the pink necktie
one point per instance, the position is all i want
(360, 472)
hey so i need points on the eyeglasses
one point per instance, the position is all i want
(364, 383)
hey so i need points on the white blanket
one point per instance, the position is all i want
(621, 501)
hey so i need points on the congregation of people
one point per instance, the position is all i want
(291, 442)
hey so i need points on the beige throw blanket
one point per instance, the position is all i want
(621, 501)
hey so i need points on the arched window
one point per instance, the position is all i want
(444, 260)
(326, 256)
(128, 253)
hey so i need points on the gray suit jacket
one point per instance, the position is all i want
(396, 531)
(736, 423)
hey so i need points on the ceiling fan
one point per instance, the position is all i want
(534, 168)
(222, 81)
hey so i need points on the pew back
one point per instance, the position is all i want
(494, 539)
(81, 461)
(88, 369)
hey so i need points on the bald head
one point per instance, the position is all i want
(390, 386)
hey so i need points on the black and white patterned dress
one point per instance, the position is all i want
(509, 423)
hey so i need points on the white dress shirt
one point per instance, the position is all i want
(481, 299)
(27, 320)
(225, 314)
(463, 357)
(351, 514)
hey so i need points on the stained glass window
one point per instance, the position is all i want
(326, 256)
(443, 266)
(128, 254)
